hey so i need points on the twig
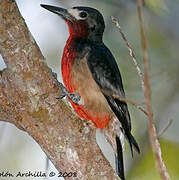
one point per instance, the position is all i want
(147, 93)
(165, 128)
(131, 52)
(132, 103)
(127, 101)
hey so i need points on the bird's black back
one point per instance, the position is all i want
(106, 73)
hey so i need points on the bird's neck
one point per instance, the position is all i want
(80, 29)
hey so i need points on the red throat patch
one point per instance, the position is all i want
(78, 28)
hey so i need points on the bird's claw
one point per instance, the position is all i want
(75, 98)
(54, 75)
(60, 97)
(64, 92)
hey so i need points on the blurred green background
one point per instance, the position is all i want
(19, 152)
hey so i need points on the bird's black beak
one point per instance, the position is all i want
(60, 11)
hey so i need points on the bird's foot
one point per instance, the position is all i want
(54, 75)
(75, 98)
(65, 93)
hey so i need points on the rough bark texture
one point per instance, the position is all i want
(28, 99)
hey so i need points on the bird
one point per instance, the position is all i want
(92, 77)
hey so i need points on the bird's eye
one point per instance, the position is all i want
(83, 14)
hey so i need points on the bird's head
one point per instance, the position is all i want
(83, 22)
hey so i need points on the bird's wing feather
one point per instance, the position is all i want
(106, 73)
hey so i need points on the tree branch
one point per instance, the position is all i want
(27, 99)
(147, 93)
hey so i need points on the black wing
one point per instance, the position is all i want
(106, 73)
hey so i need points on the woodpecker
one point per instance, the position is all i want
(91, 76)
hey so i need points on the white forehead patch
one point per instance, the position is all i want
(75, 13)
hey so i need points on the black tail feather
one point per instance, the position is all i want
(119, 159)
(132, 143)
